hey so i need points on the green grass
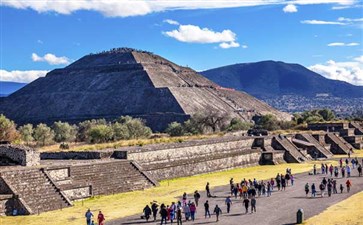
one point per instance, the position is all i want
(118, 205)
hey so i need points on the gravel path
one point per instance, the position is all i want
(278, 209)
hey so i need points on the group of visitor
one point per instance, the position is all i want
(89, 218)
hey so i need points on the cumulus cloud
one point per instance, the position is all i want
(351, 72)
(290, 8)
(195, 34)
(231, 44)
(50, 59)
(22, 76)
(124, 8)
(342, 44)
(172, 22)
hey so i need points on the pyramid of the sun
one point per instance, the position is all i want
(125, 81)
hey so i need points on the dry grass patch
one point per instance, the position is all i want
(126, 204)
(347, 212)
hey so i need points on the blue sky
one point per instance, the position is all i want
(327, 38)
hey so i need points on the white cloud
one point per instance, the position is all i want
(24, 76)
(231, 44)
(351, 72)
(244, 46)
(195, 34)
(346, 7)
(51, 59)
(340, 21)
(40, 41)
(172, 22)
(290, 8)
(341, 44)
(124, 8)
(322, 22)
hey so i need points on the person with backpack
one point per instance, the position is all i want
(217, 211)
(306, 189)
(147, 213)
(206, 209)
(246, 203)
(88, 216)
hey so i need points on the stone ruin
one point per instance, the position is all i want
(37, 183)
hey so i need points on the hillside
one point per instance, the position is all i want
(288, 87)
(127, 82)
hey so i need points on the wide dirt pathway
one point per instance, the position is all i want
(278, 209)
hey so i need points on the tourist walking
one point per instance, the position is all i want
(147, 212)
(314, 169)
(306, 189)
(88, 216)
(186, 209)
(343, 171)
(322, 189)
(313, 190)
(163, 213)
(217, 211)
(330, 188)
(348, 170)
(253, 205)
(193, 209)
(206, 209)
(359, 170)
(154, 209)
(292, 178)
(228, 202)
(100, 218)
(207, 189)
(348, 184)
(196, 197)
(269, 189)
(246, 203)
(179, 216)
(341, 188)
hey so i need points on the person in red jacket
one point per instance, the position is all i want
(349, 184)
(100, 218)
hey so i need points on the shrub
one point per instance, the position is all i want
(26, 133)
(64, 132)
(100, 134)
(175, 129)
(43, 134)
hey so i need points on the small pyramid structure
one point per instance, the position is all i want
(125, 81)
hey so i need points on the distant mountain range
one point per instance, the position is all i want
(289, 87)
(6, 87)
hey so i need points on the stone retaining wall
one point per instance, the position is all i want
(19, 155)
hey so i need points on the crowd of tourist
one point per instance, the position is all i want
(330, 185)
(248, 191)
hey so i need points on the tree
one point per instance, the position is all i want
(175, 129)
(85, 126)
(237, 124)
(8, 130)
(64, 132)
(100, 134)
(137, 129)
(327, 114)
(26, 133)
(120, 131)
(268, 122)
(43, 134)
